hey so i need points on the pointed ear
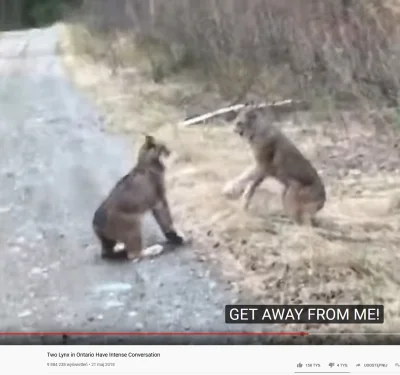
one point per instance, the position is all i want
(149, 140)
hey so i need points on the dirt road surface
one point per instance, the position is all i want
(55, 167)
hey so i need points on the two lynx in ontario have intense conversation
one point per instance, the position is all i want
(117, 221)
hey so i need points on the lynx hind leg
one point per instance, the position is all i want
(132, 239)
(134, 244)
(300, 207)
(313, 200)
(99, 225)
(107, 246)
(292, 205)
(310, 210)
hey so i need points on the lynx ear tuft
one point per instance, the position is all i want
(149, 140)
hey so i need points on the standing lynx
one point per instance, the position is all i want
(276, 156)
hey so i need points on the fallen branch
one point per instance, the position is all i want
(289, 103)
(209, 115)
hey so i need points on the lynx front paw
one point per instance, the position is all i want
(152, 251)
(175, 238)
(232, 190)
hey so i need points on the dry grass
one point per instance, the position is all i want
(353, 258)
(347, 48)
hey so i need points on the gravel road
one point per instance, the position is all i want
(55, 166)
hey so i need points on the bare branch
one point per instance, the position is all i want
(285, 105)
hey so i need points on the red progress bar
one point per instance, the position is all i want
(154, 333)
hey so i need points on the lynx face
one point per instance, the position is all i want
(153, 150)
(245, 124)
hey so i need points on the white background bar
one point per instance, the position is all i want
(200, 360)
